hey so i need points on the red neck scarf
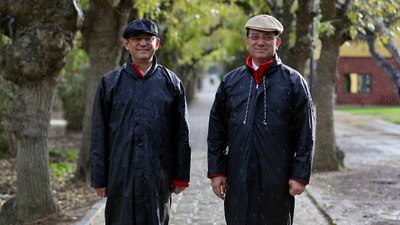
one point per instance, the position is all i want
(136, 68)
(259, 73)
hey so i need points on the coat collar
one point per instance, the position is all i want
(129, 68)
(261, 71)
(276, 61)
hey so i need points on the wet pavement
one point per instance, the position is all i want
(367, 191)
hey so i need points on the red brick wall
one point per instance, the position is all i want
(382, 89)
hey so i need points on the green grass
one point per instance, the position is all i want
(390, 114)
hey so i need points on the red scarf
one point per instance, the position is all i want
(259, 73)
(136, 68)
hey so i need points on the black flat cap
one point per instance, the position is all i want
(140, 26)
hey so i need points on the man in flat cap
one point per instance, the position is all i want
(261, 133)
(140, 150)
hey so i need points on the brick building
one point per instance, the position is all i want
(361, 81)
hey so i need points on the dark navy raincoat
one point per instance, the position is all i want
(140, 143)
(260, 137)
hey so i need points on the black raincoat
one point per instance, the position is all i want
(260, 136)
(140, 143)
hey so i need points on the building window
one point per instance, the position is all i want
(357, 83)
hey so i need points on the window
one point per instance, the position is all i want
(357, 83)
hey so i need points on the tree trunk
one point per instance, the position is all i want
(286, 19)
(327, 156)
(33, 61)
(296, 55)
(31, 121)
(300, 52)
(102, 36)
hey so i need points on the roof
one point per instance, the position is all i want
(358, 49)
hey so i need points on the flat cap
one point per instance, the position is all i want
(140, 26)
(264, 22)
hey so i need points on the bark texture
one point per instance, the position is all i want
(327, 156)
(297, 24)
(43, 36)
(286, 18)
(300, 52)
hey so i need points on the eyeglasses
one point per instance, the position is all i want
(256, 37)
(147, 39)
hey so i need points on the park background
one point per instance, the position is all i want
(53, 54)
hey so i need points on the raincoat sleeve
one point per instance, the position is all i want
(98, 149)
(182, 151)
(217, 138)
(304, 122)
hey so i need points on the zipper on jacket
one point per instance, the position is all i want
(265, 101)
(248, 102)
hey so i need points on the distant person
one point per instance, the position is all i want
(213, 78)
(200, 84)
(140, 149)
(261, 133)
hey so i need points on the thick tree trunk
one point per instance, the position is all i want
(32, 112)
(31, 121)
(33, 61)
(102, 35)
(326, 157)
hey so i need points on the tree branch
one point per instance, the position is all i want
(382, 63)
(394, 51)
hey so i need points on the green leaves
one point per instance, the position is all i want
(192, 30)
(327, 28)
(62, 164)
(372, 14)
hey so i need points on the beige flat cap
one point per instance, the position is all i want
(264, 22)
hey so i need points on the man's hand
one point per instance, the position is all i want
(296, 188)
(101, 192)
(218, 186)
(178, 189)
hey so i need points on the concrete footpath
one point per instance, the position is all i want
(367, 191)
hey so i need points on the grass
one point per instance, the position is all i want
(390, 114)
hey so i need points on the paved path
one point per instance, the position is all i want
(198, 205)
(366, 192)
